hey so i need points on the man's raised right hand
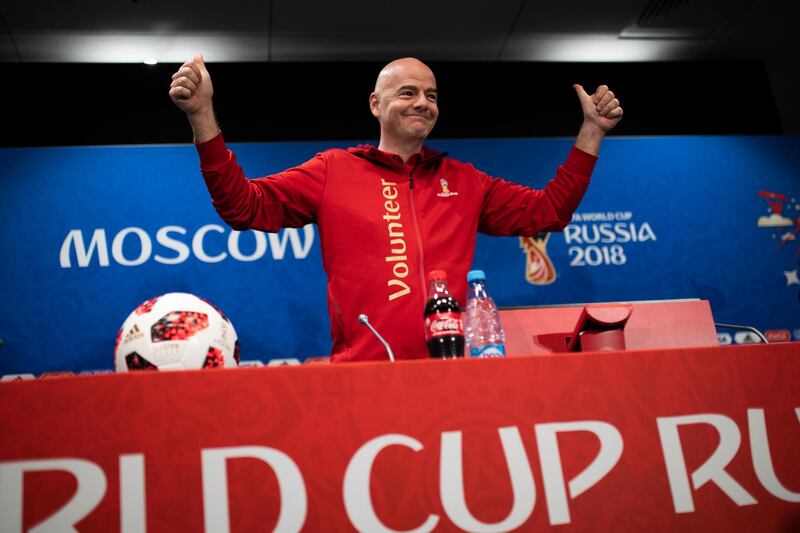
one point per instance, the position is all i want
(191, 88)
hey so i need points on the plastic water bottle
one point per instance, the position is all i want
(482, 329)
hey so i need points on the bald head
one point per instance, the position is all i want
(401, 68)
(405, 104)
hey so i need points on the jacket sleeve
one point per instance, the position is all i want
(289, 199)
(512, 209)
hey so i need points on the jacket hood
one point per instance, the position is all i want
(426, 156)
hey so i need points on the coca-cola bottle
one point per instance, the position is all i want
(444, 329)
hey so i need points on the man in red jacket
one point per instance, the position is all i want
(388, 215)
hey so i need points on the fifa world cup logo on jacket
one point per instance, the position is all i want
(539, 269)
(445, 192)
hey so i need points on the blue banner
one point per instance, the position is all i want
(89, 233)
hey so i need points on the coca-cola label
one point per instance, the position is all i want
(444, 324)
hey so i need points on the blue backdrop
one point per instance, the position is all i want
(88, 233)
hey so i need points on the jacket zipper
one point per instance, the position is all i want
(423, 286)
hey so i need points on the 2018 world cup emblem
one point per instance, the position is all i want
(539, 269)
(445, 190)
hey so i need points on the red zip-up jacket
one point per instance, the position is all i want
(384, 224)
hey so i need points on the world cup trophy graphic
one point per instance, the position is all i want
(539, 270)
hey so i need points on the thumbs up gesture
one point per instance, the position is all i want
(191, 88)
(600, 109)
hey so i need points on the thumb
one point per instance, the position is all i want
(582, 95)
(200, 62)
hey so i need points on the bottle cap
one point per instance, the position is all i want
(475, 275)
(437, 275)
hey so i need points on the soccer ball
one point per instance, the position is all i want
(176, 331)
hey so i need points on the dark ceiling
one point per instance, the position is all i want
(451, 30)
(74, 72)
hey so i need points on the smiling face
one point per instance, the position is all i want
(405, 101)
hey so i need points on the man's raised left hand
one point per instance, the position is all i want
(600, 109)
